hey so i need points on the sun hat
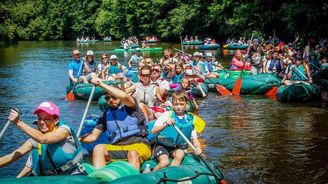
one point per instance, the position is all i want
(48, 107)
(90, 53)
(113, 57)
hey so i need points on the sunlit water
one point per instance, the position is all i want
(252, 139)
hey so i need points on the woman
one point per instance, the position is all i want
(298, 72)
(54, 147)
(237, 62)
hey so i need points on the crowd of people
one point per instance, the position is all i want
(157, 90)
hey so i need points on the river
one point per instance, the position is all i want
(252, 139)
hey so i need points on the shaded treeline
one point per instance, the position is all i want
(167, 19)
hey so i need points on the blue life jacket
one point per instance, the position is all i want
(114, 69)
(49, 159)
(177, 78)
(271, 65)
(122, 124)
(170, 137)
(297, 73)
(209, 66)
(278, 65)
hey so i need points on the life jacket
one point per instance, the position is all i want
(177, 78)
(299, 73)
(121, 124)
(271, 65)
(170, 137)
(114, 69)
(209, 66)
(50, 159)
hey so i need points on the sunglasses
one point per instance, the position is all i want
(104, 58)
(156, 70)
(110, 97)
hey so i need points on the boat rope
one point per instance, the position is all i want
(165, 179)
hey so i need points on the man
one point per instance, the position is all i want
(75, 69)
(126, 126)
(135, 59)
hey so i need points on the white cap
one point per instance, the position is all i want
(90, 53)
(208, 55)
(137, 49)
(113, 57)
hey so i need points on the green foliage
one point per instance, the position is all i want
(168, 19)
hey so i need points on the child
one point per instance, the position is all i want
(170, 143)
(184, 86)
(177, 73)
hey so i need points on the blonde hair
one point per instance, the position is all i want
(179, 96)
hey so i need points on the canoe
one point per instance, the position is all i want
(298, 92)
(235, 46)
(86, 41)
(252, 84)
(82, 91)
(152, 49)
(192, 43)
(210, 47)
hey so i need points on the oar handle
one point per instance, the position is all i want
(193, 147)
(86, 110)
(298, 71)
(8, 122)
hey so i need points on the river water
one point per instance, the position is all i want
(252, 139)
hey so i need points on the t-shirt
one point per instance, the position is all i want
(76, 67)
(165, 117)
(164, 84)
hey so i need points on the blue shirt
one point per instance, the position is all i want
(135, 60)
(76, 67)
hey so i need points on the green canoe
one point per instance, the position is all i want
(192, 43)
(131, 46)
(252, 84)
(82, 91)
(235, 46)
(298, 92)
(210, 47)
(152, 49)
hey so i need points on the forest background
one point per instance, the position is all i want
(166, 19)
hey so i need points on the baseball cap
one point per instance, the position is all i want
(197, 54)
(90, 53)
(113, 57)
(208, 55)
(48, 107)
(138, 49)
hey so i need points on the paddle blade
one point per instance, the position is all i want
(222, 90)
(272, 91)
(237, 87)
(70, 96)
(199, 123)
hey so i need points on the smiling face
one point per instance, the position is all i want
(46, 122)
(112, 101)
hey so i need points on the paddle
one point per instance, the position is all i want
(70, 96)
(86, 110)
(272, 92)
(8, 123)
(217, 177)
(237, 87)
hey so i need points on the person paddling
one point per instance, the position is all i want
(169, 143)
(54, 148)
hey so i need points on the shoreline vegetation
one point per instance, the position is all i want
(67, 20)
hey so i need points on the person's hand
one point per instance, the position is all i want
(310, 80)
(96, 81)
(84, 59)
(119, 76)
(170, 122)
(75, 80)
(14, 116)
(198, 151)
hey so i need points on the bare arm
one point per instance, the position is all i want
(123, 96)
(15, 155)
(89, 138)
(70, 74)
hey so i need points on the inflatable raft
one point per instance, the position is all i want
(235, 46)
(151, 49)
(210, 47)
(298, 92)
(252, 84)
(192, 43)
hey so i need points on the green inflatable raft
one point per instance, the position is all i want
(298, 92)
(252, 84)
(192, 170)
(192, 43)
(210, 47)
(235, 46)
(82, 91)
(151, 49)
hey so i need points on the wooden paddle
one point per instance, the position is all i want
(70, 96)
(8, 123)
(237, 87)
(217, 177)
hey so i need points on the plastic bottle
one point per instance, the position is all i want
(147, 169)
